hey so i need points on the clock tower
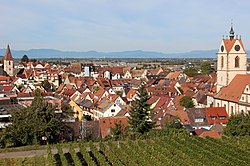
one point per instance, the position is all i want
(231, 60)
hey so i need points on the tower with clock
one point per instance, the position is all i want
(231, 60)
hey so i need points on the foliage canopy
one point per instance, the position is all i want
(175, 123)
(25, 59)
(140, 112)
(191, 71)
(31, 125)
(238, 125)
(206, 68)
(186, 102)
(116, 132)
(46, 85)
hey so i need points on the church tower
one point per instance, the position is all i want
(231, 60)
(8, 62)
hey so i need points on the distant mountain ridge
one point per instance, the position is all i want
(53, 53)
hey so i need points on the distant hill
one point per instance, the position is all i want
(52, 53)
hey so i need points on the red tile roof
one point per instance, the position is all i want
(69, 86)
(216, 112)
(125, 109)
(163, 100)
(109, 122)
(235, 89)
(229, 43)
(60, 88)
(212, 134)
(153, 99)
(7, 88)
(4, 80)
(156, 71)
(114, 70)
(131, 93)
(198, 131)
(68, 92)
(177, 103)
(183, 116)
(173, 75)
(32, 94)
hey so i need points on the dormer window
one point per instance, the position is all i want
(222, 117)
(197, 120)
(213, 117)
(108, 130)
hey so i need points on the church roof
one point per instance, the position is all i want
(229, 43)
(234, 90)
(8, 55)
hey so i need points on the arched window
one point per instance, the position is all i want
(9, 62)
(218, 104)
(222, 62)
(237, 62)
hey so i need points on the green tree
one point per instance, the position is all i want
(46, 85)
(140, 112)
(186, 102)
(66, 108)
(174, 123)
(191, 71)
(119, 93)
(30, 125)
(116, 132)
(238, 125)
(206, 68)
(33, 60)
(20, 86)
(25, 59)
(96, 88)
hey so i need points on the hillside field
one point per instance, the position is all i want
(158, 151)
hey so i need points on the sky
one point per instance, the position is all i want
(168, 26)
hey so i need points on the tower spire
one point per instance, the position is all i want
(8, 55)
(8, 62)
(231, 32)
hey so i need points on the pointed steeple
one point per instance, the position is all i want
(231, 32)
(8, 55)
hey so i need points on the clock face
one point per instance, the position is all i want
(237, 48)
(222, 48)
